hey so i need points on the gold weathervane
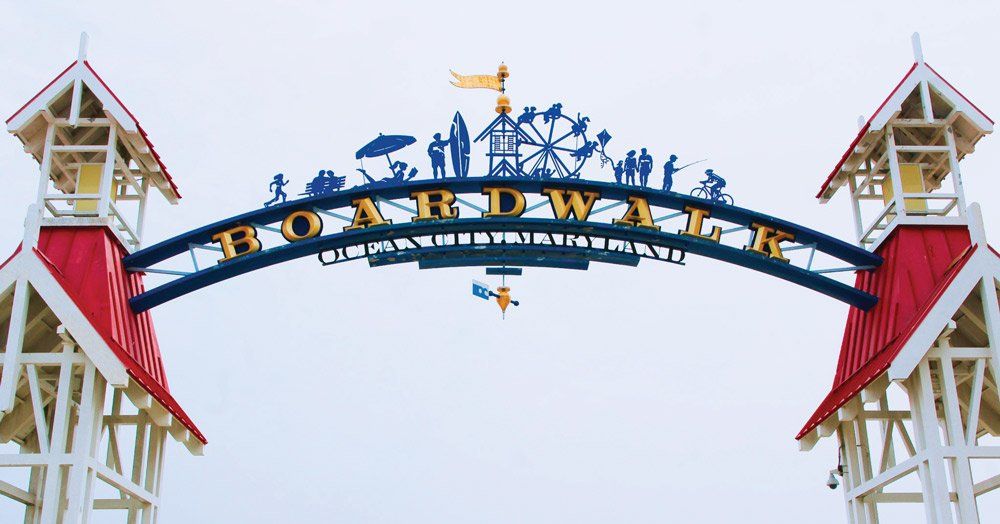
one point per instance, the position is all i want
(494, 82)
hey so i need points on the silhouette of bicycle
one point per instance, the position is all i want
(710, 193)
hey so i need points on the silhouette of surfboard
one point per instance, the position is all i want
(458, 142)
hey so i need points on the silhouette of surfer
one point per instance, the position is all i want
(436, 151)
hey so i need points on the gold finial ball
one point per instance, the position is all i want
(503, 104)
(502, 71)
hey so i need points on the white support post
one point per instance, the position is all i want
(925, 101)
(889, 460)
(961, 470)
(918, 49)
(154, 469)
(991, 316)
(51, 508)
(853, 477)
(937, 502)
(103, 208)
(15, 343)
(86, 440)
(74, 110)
(139, 462)
(859, 227)
(141, 218)
(35, 212)
(956, 171)
(897, 182)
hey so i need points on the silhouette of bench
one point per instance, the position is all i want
(327, 185)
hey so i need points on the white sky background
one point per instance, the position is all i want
(349, 394)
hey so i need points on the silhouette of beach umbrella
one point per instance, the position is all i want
(383, 145)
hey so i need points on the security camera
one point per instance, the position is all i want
(832, 482)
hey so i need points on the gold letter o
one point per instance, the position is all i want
(315, 226)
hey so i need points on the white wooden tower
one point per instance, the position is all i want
(84, 403)
(914, 405)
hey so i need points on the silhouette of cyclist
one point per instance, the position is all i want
(714, 182)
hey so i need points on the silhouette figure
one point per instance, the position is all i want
(714, 183)
(528, 116)
(668, 173)
(645, 167)
(630, 167)
(618, 172)
(586, 151)
(399, 175)
(436, 151)
(553, 113)
(277, 186)
(541, 173)
(581, 126)
(324, 183)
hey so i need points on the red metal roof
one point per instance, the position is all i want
(38, 94)
(920, 262)
(138, 126)
(145, 136)
(87, 263)
(974, 106)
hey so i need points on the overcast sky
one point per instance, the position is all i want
(349, 394)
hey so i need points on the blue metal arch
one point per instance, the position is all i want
(492, 255)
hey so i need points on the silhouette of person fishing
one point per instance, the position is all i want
(668, 173)
(670, 169)
(276, 186)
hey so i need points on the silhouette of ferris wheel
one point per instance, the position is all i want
(556, 144)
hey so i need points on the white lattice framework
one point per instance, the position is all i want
(925, 430)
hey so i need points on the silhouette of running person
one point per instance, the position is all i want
(436, 151)
(645, 167)
(276, 186)
(668, 173)
(630, 167)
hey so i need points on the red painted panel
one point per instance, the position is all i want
(87, 263)
(920, 262)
